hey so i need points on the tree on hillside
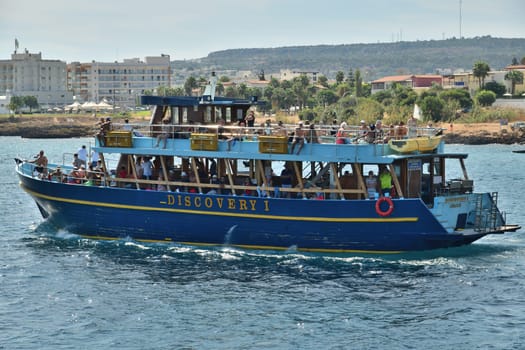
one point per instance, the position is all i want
(480, 71)
(339, 77)
(515, 77)
(358, 83)
(523, 60)
(322, 80)
(514, 61)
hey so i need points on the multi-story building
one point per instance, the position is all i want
(118, 83)
(27, 74)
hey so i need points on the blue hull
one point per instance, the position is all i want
(247, 222)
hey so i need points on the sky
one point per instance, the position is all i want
(112, 30)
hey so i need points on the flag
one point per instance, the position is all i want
(16, 44)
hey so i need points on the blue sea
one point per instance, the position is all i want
(59, 291)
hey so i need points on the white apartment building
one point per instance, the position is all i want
(118, 83)
(27, 74)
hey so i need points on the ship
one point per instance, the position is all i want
(196, 175)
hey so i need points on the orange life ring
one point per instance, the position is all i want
(390, 206)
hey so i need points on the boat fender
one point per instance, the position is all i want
(390, 206)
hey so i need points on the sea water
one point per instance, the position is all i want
(59, 291)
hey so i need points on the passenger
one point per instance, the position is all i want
(184, 178)
(147, 168)
(105, 127)
(57, 175)
(400, 131)
(298, 138)
(76, 161)
(161, 186)
(127, 126)
(311, 136)
(268, 127)
(340, 138)
(385, 181)
(94, 158)
(247, 191)
(334, 128)
(281, 129)
(379, 132)
(412, 127)
(82, 154)
(214, 181)
(40, 162)
(82, 173)
(250, 119)
(371, 185)
(363, 131)
(286, 180)
(74, 176)
(164, 133)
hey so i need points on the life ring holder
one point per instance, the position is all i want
(390, 206)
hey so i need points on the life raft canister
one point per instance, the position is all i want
(390, 206)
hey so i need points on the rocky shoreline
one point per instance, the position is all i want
(75, 126)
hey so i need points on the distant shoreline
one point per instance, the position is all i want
(69, 126)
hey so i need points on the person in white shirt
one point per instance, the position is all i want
(82, 154)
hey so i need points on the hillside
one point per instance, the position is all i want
(374, 60)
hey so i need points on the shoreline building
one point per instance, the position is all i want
(118, 83)
(27, 74)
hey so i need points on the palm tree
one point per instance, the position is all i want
(480, 71)
(516, 77)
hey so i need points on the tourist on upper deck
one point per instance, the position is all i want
(127, 126)
(400, 131)
(311, 134)
(334, 127)
(412, 127)
(298, 138)
(379, 136)
(250, 119)
(268, 127)
(340, 137)
(164, 133)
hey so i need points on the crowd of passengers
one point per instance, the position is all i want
(304, 132)
(93, 174)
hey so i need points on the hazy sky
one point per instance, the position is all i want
(109, 30)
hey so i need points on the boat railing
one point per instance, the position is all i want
(72, 176)
(314, 134)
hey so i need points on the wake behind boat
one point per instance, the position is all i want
(197, 175)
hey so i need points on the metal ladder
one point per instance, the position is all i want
(486, 220)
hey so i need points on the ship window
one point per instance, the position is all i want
(207, 114)
(228, 115)
(184, 115)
